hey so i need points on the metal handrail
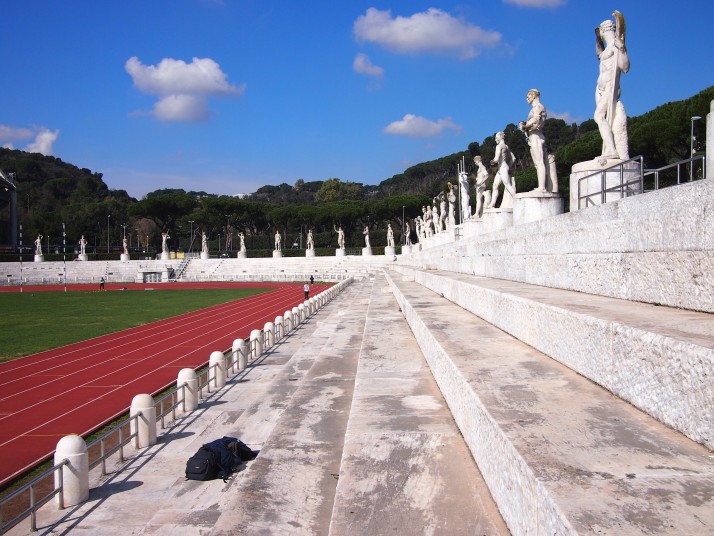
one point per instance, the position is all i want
(621, 187)
(691, 161)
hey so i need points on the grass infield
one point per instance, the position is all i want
(33, 322)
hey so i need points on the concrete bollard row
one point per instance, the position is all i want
(71, 450)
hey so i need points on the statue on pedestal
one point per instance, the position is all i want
(610, 114)
(242, 242)
(390, 236)
(126, 247)
(533, 129)
(278, 241)
(366, 237)
(407, 234)
(82, 246)
(340, 237)
(483, 196)
(443, 211)
(38, 245)
(452, 205)
(310, 242)
(465, 199)
(503, 159)
(204, 242)
(164, 246)
(435, 218)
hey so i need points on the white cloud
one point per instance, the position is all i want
(432, 31)
(44, 138)
(536, 3)
(183, 88)
(415, 126)
(363, 65)
(43, 142)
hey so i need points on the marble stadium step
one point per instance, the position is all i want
(559, 453)
(660, 359)
(150, 495)
(405, 467)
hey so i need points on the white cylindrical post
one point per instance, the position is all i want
(296, 317)
(145, 426)
(217, 365)
(279, 334)
(302, 312)
(187, 398)
(256, 343)
(288, 316)
(75, 474)
(269, 331)
(240, 353)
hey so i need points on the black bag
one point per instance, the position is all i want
(244, 452)
(203, 465)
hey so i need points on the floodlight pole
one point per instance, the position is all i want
(20, 258)
(403, 241)
(64, 256)
(190, 242)
(108, 216)
(691, 148)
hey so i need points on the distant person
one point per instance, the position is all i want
(306, 288)
(101, 283)
(312, 280)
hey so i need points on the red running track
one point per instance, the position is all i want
(78, 388)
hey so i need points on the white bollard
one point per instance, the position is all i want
(279, 328)
(256, 343)
(217, 366)
(240, 353)
(297, 315)
(269, 331)
(288, 316)
(75, 475)
(187, 398)
(145, 426)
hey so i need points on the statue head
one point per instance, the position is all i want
(499, 137)
(477, 160)
(607, 26)
(532, 95)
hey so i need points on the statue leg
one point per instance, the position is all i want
(619, 130)
(552, 174)
(603, 125)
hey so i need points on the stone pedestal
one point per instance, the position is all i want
(339, 252)
(205, 255)
(309, 252)
(165, 256)
(84, 257)
(277, 254)
(494, 219)
(39, 258)
(406, 250)
(241, 255)
(533, 206)
(591, 178)
(472, 227)
(366, 252)
(124, 257)
(709, 172)
(389, 250)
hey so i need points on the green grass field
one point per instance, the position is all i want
(33, 322)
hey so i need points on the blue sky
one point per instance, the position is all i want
(226, 96)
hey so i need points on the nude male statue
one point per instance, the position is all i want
(503, 159)
(533, 129)
(483, 196)
(610, 114)
(340, 236)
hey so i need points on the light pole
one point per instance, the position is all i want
(64, 257)
(190, 243)
(228, 222)
(138, 239)
(108, 216)
(691, 148)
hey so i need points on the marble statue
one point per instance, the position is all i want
(390, 236)
(452, 205)
(126, 248)
(503, 159)
(418, 228)
(310, 242)
(278, 241)
(435, 218)
(429, 228)
(443, 211)
(82, 246)
(533, 129)
(407, 234)
(465, 198)
(38, 245)
(164, 246)
(366, 237)
(340, 237)
(204, 243)
(610, 114)
(483, 196)
(242, 242)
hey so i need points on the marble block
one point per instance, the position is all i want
(83, 257)
(595, 175)
(277, 254)
(366, 251)
(165, 256)
(204, 255)
(389, 250)
(406, 250)
(39, 258)
(241, 255)
(495, 219)
(124, 257)
(533, 206)
(472, 227)
(309, 252)
(340, 252)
